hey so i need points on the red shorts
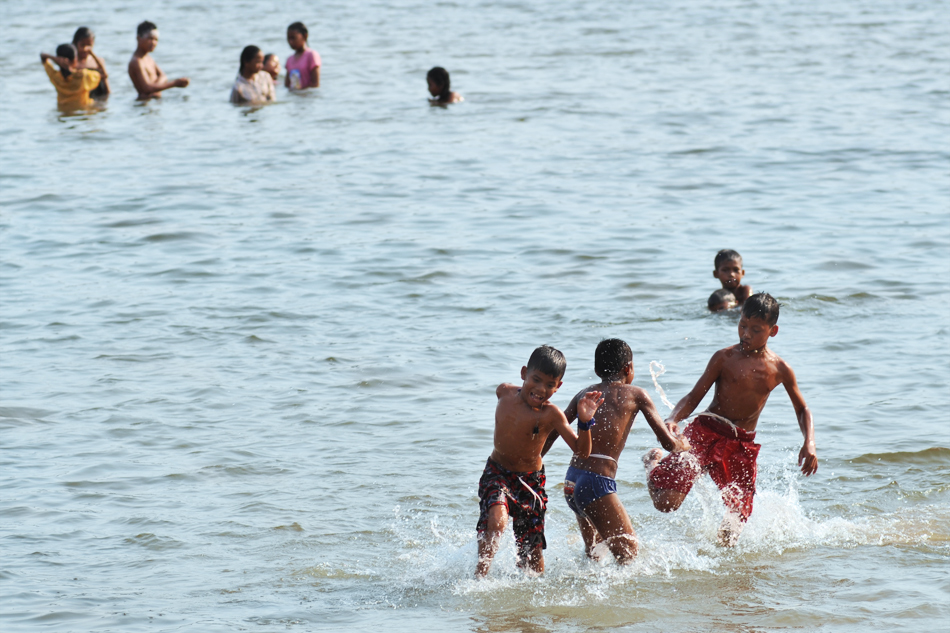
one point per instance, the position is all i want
(523, 495)
(727, 453)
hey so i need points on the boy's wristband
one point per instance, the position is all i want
(585, 426)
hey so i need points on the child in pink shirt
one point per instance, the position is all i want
(303, 67)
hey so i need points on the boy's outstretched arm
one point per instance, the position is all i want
(807, 457)
(669, 441)
(691, 400)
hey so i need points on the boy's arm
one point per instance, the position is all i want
(145, 87)
(669, 441)
(691, 400)
(570, 413)
(807, 457)
(102, 71)
(62, 62)
(586, 407)
(315, 77)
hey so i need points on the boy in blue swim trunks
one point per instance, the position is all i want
(589, 485)
(512, 483)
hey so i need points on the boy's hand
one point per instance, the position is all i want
(673, 427)
(588, 405)
(182, 82)
(807, 459)
(681, 444)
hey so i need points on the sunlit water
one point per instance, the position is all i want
(249, 356)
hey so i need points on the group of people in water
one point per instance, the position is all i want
(719, 441)
(81, 79)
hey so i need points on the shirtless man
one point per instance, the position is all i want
(590, 488)
(147, 77)
(722, 437)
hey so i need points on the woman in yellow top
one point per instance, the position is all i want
(73, 84)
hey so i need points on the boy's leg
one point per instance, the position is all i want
(613, 525)
(532, 559)
(488, 541)
(730, 529)
(670, 478)
(590, 535)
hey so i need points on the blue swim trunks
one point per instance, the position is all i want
(582, 487)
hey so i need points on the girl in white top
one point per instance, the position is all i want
(252, 86)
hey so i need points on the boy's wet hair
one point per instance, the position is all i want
(145, 28)
(763, 306)
(548, 360)
(268, 57)
(299, 28)
(82, 33)
(610, 357)
(727, 255)
(248, 55)
(440, 77)
(719, 297)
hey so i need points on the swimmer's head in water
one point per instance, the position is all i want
(439, 83)
(721, 300)
(763, 306)
(272, 64)
(252, 60)
(147, 34)
(297, 35)
(549, 361)
(83, 40)
(611, 358)
(729, 269)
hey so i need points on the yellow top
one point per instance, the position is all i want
(72, 93)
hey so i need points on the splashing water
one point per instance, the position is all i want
(656, 370)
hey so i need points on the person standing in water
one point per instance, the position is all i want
(303, 67)
(84, 40)
(73, 84)
(722, 438)
(590, 486)
(146, 76)
(440, 87)
(252, 85)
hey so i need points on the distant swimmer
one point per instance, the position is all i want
(272, 66)
(84, 39)
(303, 67)
(722, 437)
(440, 87)
(512, 484)
(252, 86)
(146, 76)
(721, 300)
(73, 84)
(590, 486)
(728, 270)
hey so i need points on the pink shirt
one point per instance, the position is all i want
(301, 66)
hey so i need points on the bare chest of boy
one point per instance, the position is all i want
(519, 440)
(745, 384)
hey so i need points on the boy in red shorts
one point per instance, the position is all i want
(722, 437)
(512, 483)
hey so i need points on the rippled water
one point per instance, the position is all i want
(249, 356)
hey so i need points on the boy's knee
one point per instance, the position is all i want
(497, 519)
(667, 500)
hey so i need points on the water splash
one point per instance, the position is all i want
(656, 370)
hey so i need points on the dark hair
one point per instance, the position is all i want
(300, 28)
(610, 357)
(69, 52)
(719, 297)
(145, 28)
(763, 306)
(82, 33)
(727, 255)
(440, 77)
(268, 56)
(548, 361)
(248, 54)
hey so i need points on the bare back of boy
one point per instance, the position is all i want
(605, 519)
